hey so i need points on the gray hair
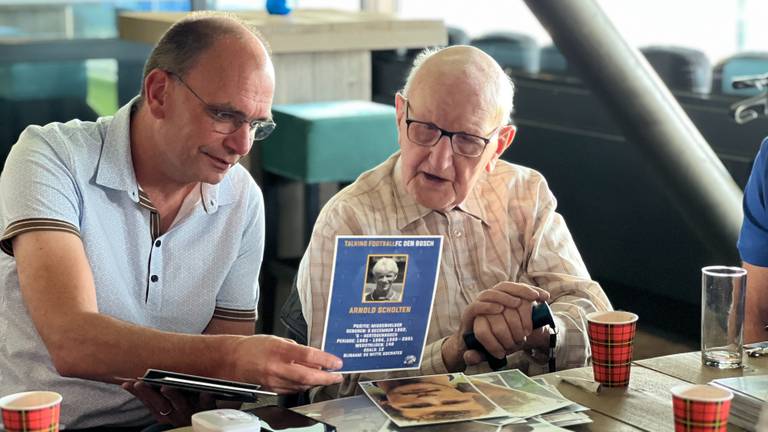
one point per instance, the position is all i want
(385, 265)
(186, 40)
(504, 86)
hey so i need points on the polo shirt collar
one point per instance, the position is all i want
(409, 210)
(115, 167)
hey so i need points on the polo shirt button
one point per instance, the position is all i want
(457, 233)
(154, 278)
(213, 203)
(158, 243)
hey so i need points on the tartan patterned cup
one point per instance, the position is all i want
(611, 337)
(701, 408)
(33, 411)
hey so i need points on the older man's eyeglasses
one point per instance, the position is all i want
(427, 134)
(228, 122)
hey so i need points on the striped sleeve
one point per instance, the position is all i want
(228, 314)
(36, 224)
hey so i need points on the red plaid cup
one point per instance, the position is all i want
(701, 408)
(611, 336)
(34, 411)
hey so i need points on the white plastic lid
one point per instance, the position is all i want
(225, 420)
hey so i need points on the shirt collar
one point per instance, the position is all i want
(115, 168)
(409, 210)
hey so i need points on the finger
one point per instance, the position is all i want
(473, 357)
(485, 336)
(281, 386)
(499, 296)
(153, 400)
(521, 290)
(183, 405)
(301, 376)
(515, 325)
(525, 312)
(476, 309)
(543, 294)
(501, 330)
(312, 357)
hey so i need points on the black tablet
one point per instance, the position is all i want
(221, 389)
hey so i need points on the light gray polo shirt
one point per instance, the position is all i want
(78, 177)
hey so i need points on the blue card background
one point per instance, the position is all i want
(348, 283)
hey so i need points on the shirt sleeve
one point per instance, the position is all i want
(238, 296)
(753, 238)
(37, 188)
(554, 264)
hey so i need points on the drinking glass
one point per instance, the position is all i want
(723, 291)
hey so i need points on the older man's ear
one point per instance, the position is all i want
(506, 135)
(399, 107)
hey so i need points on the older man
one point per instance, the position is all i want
(135, 242)
(505, 246)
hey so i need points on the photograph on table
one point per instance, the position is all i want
(430, 399)
(516, 402)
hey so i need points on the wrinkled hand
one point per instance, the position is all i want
(169, 405)
(500, 317)
(283, 366)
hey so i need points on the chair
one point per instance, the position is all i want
(389, 68)
(513, 51)
(681, 69)
(293, 320)
(314, 143)
(747, 63)
(457, 36)
(553, 62)
(292, 317)
(40, 93)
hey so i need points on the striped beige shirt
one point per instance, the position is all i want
(506, 230)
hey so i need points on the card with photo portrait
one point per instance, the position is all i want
(382, 291)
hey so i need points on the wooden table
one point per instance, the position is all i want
(320, 54)
(645, 406)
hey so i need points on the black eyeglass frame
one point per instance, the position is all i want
(259, 129)
(443, 132)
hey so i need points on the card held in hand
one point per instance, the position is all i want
(380, 301)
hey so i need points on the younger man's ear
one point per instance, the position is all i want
(156, 92)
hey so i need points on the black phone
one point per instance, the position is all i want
(275, 419)
(220, 389)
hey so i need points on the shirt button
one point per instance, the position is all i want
(213, 203)
(457, 233)
(158, 243)
(154, 278)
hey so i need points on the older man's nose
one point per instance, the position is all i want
(441, 154)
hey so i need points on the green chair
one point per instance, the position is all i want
(329, 141)
(314, 143)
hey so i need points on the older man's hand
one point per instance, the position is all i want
(500, 317)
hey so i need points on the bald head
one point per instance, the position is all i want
(185, 42)
(467, 72)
